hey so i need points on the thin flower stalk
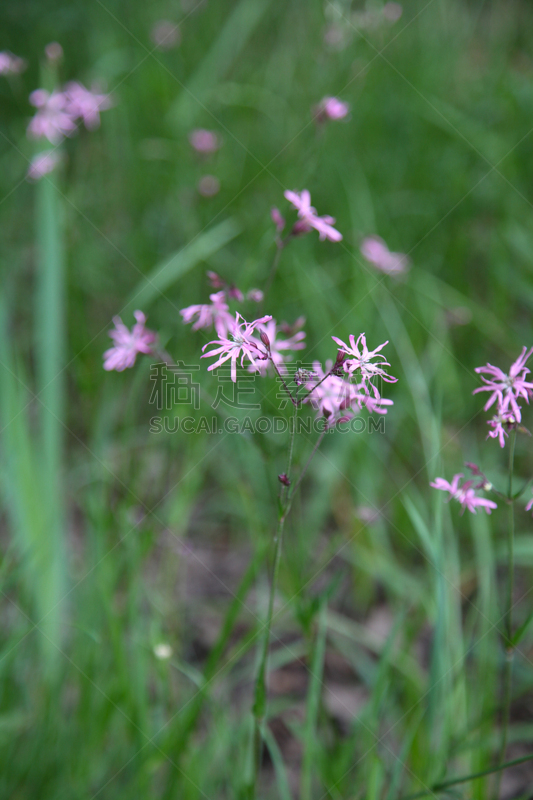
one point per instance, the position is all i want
(508, 639)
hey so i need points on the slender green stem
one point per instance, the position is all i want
(273, 268)
(310, 392)
(260, 695)
(308, 462)
(440, 787)
(508, 638)
(295, 400)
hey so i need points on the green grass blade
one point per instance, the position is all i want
(313, 702)
(180, 263)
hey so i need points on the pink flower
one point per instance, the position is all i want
(85, 104)
(10, 64)
(501, 422)
(204, 141)
(377, 253)
(255, 295)
(331, 108)
(374, 405)
(529, 506)
(42, 164)
(309, 218)
(465, 494)
(506, 389)
(239, 342)
(278, 347)
(361, 361)
(392, 11)
(128, 343)
(53, 120)
(333, 398)
(216, 313)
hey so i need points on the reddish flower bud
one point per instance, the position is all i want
(215, 280)
(277, 219)
(265, 340)
(284, 479)
(235, 294)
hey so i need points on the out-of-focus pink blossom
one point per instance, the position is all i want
(392, 11)
(507, 389)
(373, 404)
(331, 108)
(10, 64)
(360, 361)
(465, 494)
(128, 343)
(53, 119)
(255, 295)
(279, 347)
(377, 253)
(42, 164)
(204, 141)
(239, 342)
(85, 104)
(53, 51)
(208, 186)
(529, 506)
(309, 218)
(277, 219)
(165, 34)
(216, 313)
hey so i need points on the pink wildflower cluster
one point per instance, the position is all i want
(308, 218)
(377, 253)
(347, 385)
(58, 112)
(465, 493)
(128, 343)
(217, 313)
(336, 398)
(506, 390)
(240, 338)
(10, 64)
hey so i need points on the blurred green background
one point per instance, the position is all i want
(114, 540)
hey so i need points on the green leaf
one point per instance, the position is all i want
(200, 249)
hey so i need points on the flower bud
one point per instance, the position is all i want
(283, 478)
(215, 280)
(235, 294)
(265, 340)
(54, 51)
(277, 219)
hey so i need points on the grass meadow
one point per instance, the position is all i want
(135, 558)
